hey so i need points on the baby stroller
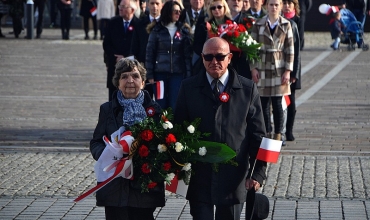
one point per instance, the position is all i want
(353, 33)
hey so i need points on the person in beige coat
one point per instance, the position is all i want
(272, 72)
(105, 12)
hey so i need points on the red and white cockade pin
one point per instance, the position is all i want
(177, 35)
(224, 97)
(150, 111)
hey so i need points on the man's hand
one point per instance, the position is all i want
(118, 57)
(151, 81)
(249, 183)
(255, 75)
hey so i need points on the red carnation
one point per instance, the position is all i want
(147, 135)
(242, 28)
(151, 185)
(145, 168)
(249, 25)
(167, 166)
(228, 22)
(229, 34)
(143, 151)
(236, 34)
(170, 139)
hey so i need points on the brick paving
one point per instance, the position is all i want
(50, 93)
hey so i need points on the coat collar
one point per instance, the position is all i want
(232, 85)
(280, 28)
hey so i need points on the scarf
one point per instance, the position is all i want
(133, 110)
(289, 15)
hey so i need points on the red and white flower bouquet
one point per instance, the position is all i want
(238, 38)
(164, 150)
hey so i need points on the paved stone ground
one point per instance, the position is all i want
(50, 93)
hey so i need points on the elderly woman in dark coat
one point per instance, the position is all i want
(122, 198)
(168, 53)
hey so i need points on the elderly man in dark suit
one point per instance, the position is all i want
(230, 109)
(119, 38)
(256, 9)
(195, 11)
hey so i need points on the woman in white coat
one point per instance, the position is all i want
(105, 12)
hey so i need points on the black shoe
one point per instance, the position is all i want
(95, 37)
(283, 140)
(2, 35)
(38, 36)
(289, 136)
(87, 38)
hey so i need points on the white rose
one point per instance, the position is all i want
(249, 41)
(167, 125)
(162, 148)
(191, 129)
(178, 147)
(202, 151)
(170, 177)
(187, 167)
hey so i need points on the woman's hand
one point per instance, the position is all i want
(285, 78)
(255, 75)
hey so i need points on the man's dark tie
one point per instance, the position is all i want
(255, 15)
(196, 14)
(125, 26)
(216, 87)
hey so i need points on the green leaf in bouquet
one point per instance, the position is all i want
(216, 152)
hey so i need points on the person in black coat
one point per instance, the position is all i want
(139, 49)
(291, 12)
(230, 110)
(122, 198)
(168, 53)
(86, 11)
(118, 40)
(304, 6)
(65, 8)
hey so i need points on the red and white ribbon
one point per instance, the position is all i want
(123, 167)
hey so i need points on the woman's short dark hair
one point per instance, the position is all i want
(166, 12)
(127, 65)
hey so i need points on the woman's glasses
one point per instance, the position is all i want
(218, 7)
(219, 57)
(177, 12)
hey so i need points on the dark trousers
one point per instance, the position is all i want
(17, 25)
(65, 21)
(277, 111)
(128, 213)
(53, 11)
(172, 85)
(40, 6)
(204, 211)
(86, 25)
(103, 26)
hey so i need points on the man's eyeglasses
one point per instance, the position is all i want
(219, 57)
(218, 7)
(123, 7)
(177, 12)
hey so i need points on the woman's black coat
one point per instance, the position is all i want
(120, 192)
(166, 55)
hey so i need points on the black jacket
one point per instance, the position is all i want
(117, 41)
(296, 73)
(122, 192)
(238, 122)
(166, 55)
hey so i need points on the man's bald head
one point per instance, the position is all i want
(216, 56)
(217, 42)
